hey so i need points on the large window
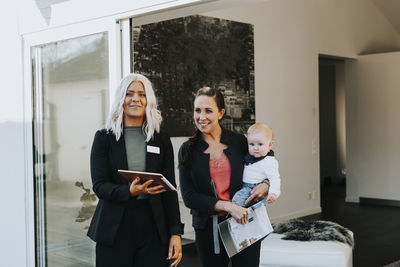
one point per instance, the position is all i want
(70, 102)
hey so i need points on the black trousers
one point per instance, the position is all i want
(250, 257)
(137, 242)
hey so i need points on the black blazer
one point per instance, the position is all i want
(107, 156)
(197, 191)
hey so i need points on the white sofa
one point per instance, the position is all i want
(278, 252)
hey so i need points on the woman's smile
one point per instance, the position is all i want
(206, 114)
(203, 124)
(135, 104)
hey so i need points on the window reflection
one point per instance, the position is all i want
(74, 104)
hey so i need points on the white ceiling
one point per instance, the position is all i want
(391, 10)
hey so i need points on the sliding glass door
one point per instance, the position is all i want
(70, 81)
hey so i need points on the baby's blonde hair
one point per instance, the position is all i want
(261, 127)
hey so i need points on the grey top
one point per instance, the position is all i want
(135, 144)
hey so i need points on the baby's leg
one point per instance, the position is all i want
(242, 195)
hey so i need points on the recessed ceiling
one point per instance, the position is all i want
(391, 10)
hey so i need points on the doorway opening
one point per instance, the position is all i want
(332, 126)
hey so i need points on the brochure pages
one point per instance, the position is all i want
(236, 236)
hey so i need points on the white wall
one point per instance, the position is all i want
(289, 35)
(374, 129)
(12, 191)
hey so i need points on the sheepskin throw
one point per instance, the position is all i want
(314, 231)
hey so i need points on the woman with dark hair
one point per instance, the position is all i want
(210, 173)
(134, 224)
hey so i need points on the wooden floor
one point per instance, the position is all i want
(376, 229)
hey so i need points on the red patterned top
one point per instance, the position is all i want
(220, 171)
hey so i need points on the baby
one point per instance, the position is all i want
(260, 164)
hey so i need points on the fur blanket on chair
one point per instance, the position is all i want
(314, 231)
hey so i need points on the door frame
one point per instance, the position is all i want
(109, 25)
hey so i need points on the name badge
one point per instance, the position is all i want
(153, 149)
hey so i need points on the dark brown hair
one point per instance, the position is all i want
(219, 100)
(216, 94)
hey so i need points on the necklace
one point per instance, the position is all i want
(215, 163)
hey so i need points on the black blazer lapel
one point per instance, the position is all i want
(157, 208)
(152, 158)
(118, 154)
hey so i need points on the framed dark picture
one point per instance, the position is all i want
(181, 55)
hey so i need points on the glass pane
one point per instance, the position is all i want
(71, 103)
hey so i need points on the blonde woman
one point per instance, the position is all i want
(134, 224)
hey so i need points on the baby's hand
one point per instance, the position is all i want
(271, 198)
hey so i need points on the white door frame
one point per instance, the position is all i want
(109, 25)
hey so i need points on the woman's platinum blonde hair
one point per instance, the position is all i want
(152, 120)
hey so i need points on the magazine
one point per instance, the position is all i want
(236, 237)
